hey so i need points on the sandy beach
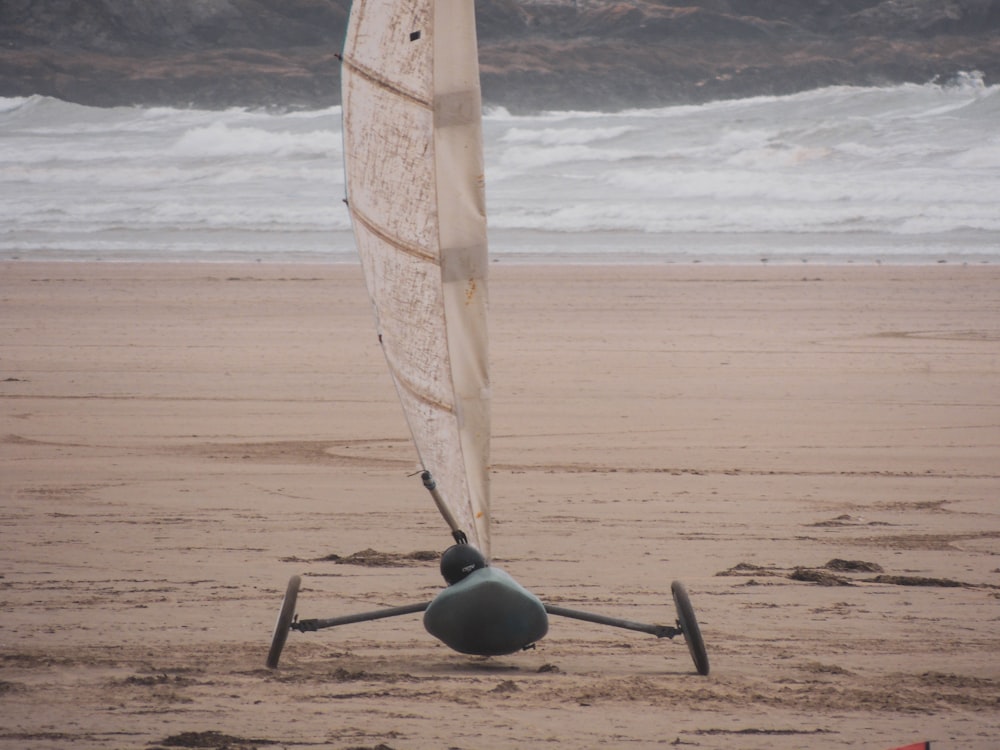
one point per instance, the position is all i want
(179, 439)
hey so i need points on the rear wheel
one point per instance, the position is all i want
(688, 624)
(284, 624)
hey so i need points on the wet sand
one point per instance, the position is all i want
(178, 440)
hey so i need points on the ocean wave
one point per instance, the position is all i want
(907, 162)
(220, 139)
(564, 136)
(525, 158)
(13, 103)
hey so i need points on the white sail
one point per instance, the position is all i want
(413, 153)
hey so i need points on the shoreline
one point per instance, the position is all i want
(568, 261)
(607, 248)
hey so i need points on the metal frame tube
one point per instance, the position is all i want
(332, 622)
(660, 631)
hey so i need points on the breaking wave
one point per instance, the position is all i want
(911, 169)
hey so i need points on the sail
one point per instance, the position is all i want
(413, 155)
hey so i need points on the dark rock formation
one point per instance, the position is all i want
(534, 54)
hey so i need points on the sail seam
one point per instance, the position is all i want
(404, 247)
(382, 82)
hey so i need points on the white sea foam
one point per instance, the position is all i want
(564, 136)
(220, 139)
(904, 171)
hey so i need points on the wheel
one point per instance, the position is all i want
(284, 623)
(689, 627)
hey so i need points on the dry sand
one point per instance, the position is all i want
(179, 439)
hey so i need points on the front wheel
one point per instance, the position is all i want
(284, 624)
(688, 624)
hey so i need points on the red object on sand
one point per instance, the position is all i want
(915, 746)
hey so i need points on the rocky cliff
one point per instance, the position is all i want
(597, 54)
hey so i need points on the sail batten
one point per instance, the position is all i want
(384, 83)
(402, 246)
(399, 377)
(413, 156)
